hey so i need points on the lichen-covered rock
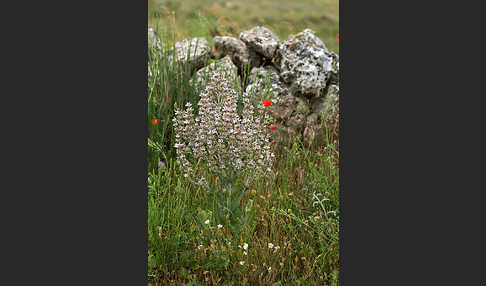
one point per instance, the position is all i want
(298, 118)
(306, 63)
(191, 53)
(334, 78)
(290, 114)
(288, 111)
(284, 109)
(328, 104)
(261, 40)
(224, 66)
(240, 54)
(258, 84)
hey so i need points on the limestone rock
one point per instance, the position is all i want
(290, 113)
(191, 53)
(224, 66)
(328, 104)
(298, 117)
(261, 40)
(239, 52)
(258, 83)
(334, 78)
(306, 63)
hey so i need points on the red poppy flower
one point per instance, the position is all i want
(267, 102)
(214, 49)
(338, 35)
(154, 122)
(272, 127)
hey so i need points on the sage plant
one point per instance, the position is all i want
(231, 143)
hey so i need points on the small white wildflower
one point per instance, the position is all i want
(219, 226)
(242, 262)
(245, 253)
(207, 221)
(270, 245)
(245, 246)
(202, 181)
(199, 246)
(269, 269)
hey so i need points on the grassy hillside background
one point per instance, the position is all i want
(232, 17)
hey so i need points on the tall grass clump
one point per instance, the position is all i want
(168, 86)
(216, 214)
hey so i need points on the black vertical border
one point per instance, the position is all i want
(406, 213)
(341, 149)
(81, 211)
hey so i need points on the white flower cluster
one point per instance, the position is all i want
(226, 141)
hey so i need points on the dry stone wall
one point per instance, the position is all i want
(300, 73)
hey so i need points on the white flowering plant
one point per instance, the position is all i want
(232, 143)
